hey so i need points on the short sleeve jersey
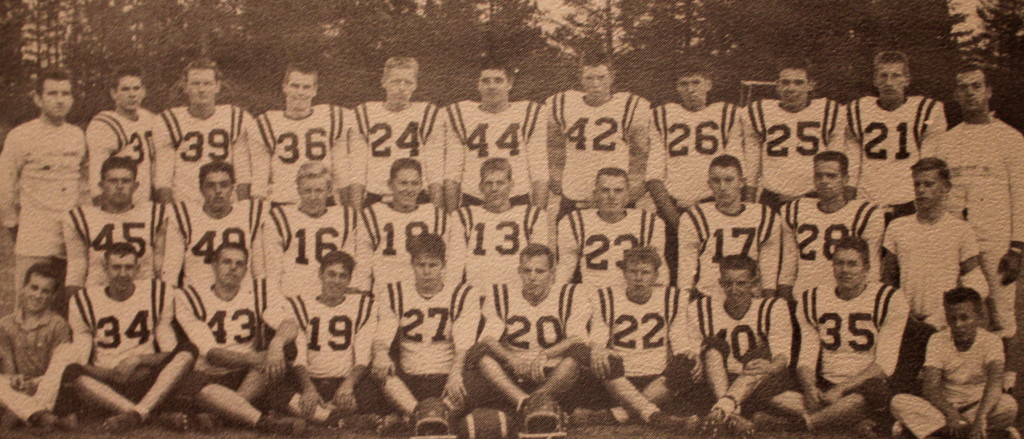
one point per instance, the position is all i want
(963, 372)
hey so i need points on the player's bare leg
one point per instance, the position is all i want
(562, 378)
(497, 376)
(791, 403)
(164, 383)
(400, 395)
(847, 408)
(630, 398)
(92, 390)
(228, 403)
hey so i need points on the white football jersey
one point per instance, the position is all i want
(595, 136)
(119, 329)
(337, 337)
(686, 142)
(193, 236)
(110, 134)
(783, 146)
(238, 325)
(184, 143)
(493, 240)
(428, 330)
(295, 251)
(765, 329)
(816, 233)
(517, 134)
(847, 336)
(383, 240)
(638, 332)
(89, 232)
(595, 247)
(522, 326)
(883, 144)
(393, 135)
(706, 235)
(291, 143)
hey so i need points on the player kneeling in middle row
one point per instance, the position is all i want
(533, 344)
(629, 339)
(742, 344)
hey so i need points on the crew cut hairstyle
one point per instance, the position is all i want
(301, 67)
(226, 245)
(338, 257)
(727, 161)
(495, 164)
(960, 295)
(534, 250)
(738, 262)
(202, 64)
(834, 156)
(891, 57)
(212, 167)
(401, 62)
(123, 72)
(641, 255)
(404, 163)
(118, 162)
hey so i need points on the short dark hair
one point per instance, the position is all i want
(50, 75)
(891, 57)
(489, 63)
(427, 244)
(118, 162)
(595, 59)
(405, 163)
(301, 67)
(960, 295)
(834, 156)
(534, 250)
(227, 245)
(932, 164)
(43, 269)
(124, 72)
(795, 63)
(337, 257)
(611, 172)
(213, 167)
(495, 164)
(974, 67)
(694, 69)
(202, 64)
(738, 262)
(857, 244)
(120, 249)
(726, 161)
(641, 255)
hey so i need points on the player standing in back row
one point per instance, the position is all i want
(393, 129)
(495, 127)
(782, 136)
(885, 135)
(200, 133)
(594, 129)
(301, 133)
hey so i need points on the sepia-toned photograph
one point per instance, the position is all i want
(511, 219)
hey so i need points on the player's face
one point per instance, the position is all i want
(640, 275)
(121, 270)
(496, 186)
(300, 88)
(406, 186)
(230, 267)
(536, 273)
(399, 84)
(726, 183)
(494, 85)
(794, 86)
(118, 186)
(36, 293)
(963, 320)
(314, 191)
(55, 100)
(971, 92)
(739, 283)
(217, 188)
(892, 79)
(829, 179)
(596, 79)
(693, 88)
(334, 279)
(929, 188)
(129, 93)
(202, 86)
(849, 269)
(428, 269)
(611, 191)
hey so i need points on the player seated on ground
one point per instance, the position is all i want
(963, 376)
(533, 341)
(431, 321)
(743, 343)
(333, 355)
(228, 323)
(33, 345)
(124, 330)
(631, 324)
(850, 338)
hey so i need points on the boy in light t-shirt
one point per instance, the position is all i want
(963, 376)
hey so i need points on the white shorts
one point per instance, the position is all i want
(39, 233)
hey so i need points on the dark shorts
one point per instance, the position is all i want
(875, 391)
(371, 198)
(369, 397)
(906, 378)
(424, 386)
(195, 381)
(518, 200)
